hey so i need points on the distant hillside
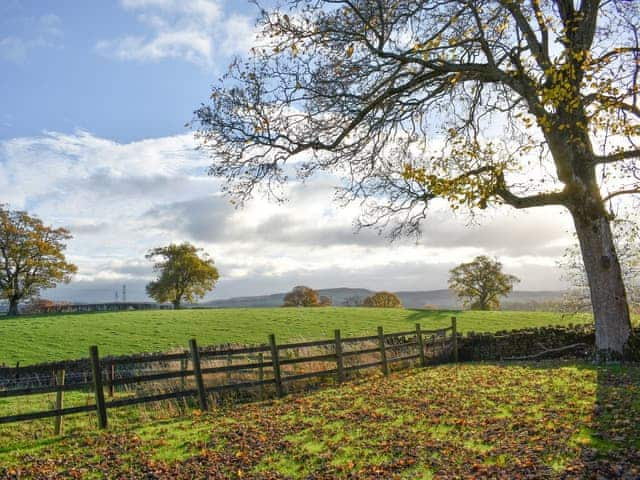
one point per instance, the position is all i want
(337, 295)
(443, 299)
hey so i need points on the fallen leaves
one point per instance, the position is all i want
(544, 420)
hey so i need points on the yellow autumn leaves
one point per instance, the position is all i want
(472, 190)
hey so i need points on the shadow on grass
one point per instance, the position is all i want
(610, 442)
(420, 315)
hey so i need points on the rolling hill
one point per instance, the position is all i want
(443, 299)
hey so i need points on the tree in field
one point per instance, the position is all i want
(301, 296)
(352, 301)
(480, 283)
(184, 274)
(382, 300)
(522, 103)
(325, 301)
(31, 257)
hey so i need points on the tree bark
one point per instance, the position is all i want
(13, 307)
(176, 304)
(608, 295)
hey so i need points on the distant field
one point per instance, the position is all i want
(37, 339)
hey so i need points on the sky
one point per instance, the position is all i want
(94, 98)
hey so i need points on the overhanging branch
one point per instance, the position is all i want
(537, 200)
(616, 157)
(629, 191)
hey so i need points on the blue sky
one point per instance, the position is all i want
(62, 69)
(94, 96)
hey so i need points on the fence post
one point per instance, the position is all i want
(197, 373)
(112, 377)
(276, 365)
(420, 341)
(339, 361)
(261, 374)
(57, 425)
(184, 363)
(383, 351)
(454, 331)
(98, 388)
(229, 363)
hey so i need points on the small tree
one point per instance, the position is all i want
(353, 301)
(383, 300)
(480, 283)
(301, 296)
(32, 255)
(325, 301)
(184, 274)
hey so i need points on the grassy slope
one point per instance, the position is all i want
(56, 337)
(543, 420)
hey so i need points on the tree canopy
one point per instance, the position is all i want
(31, 255)
(301, 296)
(480, 283)
(184, 274)
(479, 103)
(382, 300)
(325, 301)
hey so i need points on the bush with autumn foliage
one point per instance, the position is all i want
(383, 300)
(301, 296)
(43, 305)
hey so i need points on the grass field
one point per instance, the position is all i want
(543, 420)
(37, 339)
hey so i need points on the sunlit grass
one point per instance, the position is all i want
(37, 339)
(543, 420)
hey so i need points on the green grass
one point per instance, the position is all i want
(33, 433)
(37, 339)
(565, 420)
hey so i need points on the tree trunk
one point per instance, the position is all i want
(176, 304)
(13, 307)
(608, 296)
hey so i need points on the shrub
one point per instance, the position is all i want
(383, 300)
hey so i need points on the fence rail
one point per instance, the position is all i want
(281, 362)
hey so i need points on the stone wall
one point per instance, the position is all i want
(519, 343)
(533, 341)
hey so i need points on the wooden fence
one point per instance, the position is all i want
(341, 354)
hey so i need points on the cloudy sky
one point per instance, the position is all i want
(93, 101)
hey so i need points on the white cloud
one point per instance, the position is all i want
(197, 31)
(38, 32)
(120, 199)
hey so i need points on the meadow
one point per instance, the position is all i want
(35, 339)
(542, 420)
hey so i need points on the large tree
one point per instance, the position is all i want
(31, 257)
(480, 283)
(528, 103)
(184, 274)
